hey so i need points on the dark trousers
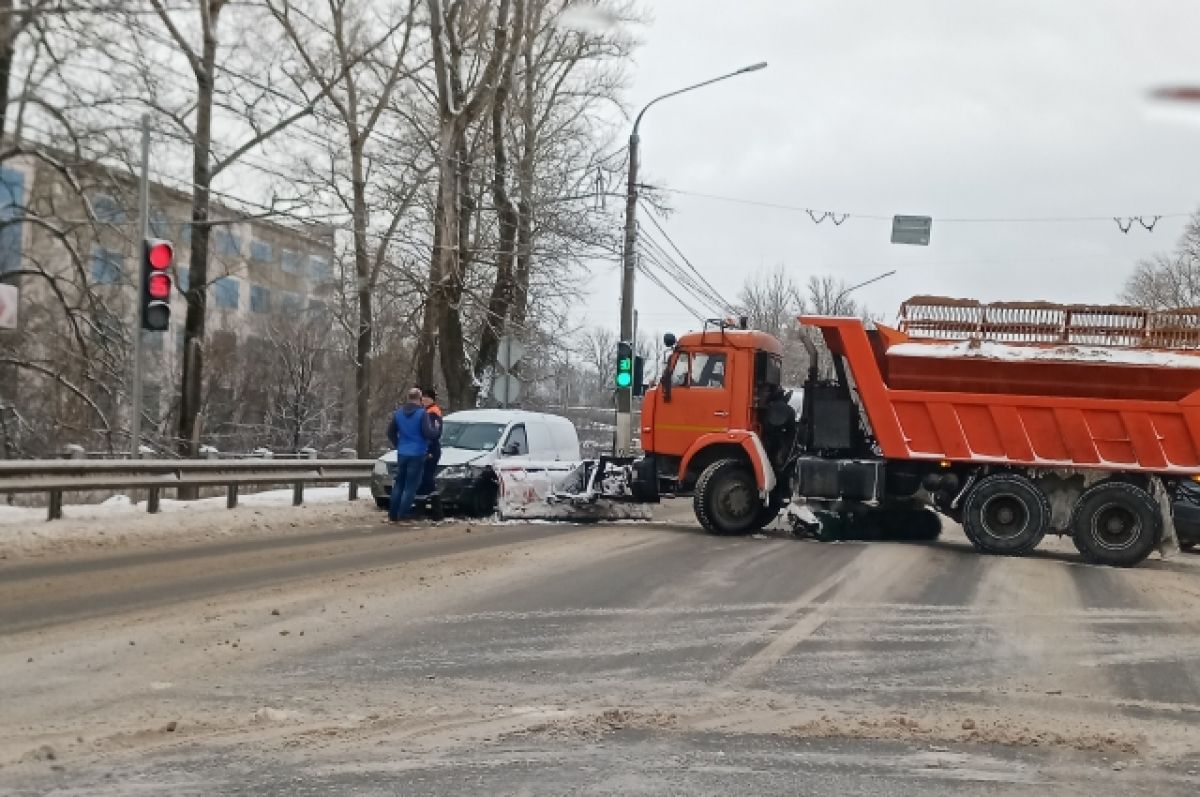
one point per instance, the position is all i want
(431, 463)
(409, 471)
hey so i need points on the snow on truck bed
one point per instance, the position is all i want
(1012, 353)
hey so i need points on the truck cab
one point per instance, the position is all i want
(719, 400)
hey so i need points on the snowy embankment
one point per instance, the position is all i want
(119, 520)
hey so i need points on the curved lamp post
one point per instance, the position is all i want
(624, 444)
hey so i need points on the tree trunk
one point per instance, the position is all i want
(9, 26)
(197, 301)
(456, 370)
(362, 270)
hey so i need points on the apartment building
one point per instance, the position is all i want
(78, 271)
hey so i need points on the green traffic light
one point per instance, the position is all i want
(624, 379)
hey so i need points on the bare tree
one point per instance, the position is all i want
(259, 114)
(333, 48)
(1169, 281)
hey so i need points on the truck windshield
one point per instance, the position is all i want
(471, 436)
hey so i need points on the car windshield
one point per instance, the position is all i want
(471, 436)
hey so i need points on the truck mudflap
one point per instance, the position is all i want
(751, 444)
(584, 491)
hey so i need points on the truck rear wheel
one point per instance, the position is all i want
(726, 499)
(1006, 514)
(1116, 523)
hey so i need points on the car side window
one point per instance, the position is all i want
(517, 443)
(708, 370)
(679, 375)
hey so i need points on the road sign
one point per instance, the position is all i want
(506, 388)
(9, 297)
(911, 230)
(509, 353)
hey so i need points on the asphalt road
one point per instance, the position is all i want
(618, 659)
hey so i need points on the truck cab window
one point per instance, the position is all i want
(679, 374)
(708, 370)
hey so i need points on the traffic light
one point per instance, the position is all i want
(157, 256)
(639, 376)
(624, 365)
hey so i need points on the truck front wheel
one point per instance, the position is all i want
(1006, 514)
(726, 499)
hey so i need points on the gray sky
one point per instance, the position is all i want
(950, 108)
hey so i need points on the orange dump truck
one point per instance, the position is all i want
(1016, 420)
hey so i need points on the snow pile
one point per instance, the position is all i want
(987, 350)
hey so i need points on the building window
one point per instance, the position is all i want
(107, 265)
(107, 209)
(228, 244)
(160, 227)
(291, 261)
(260, 299)
(319, 268)
(226, 293)
(291, 303)
(12, 197)
(260, 251)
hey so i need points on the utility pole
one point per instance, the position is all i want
(624, 441)
(135, 423)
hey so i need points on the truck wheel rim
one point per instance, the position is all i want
(734, 502)
(1004, 516)
(1115, 527)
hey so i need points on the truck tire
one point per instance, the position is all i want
(1115, 523)
(726, 499)
(1006, 514)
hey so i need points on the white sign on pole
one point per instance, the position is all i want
(509, 353)
(9, 297)
(506, 388)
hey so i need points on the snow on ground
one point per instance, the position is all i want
(119, 521)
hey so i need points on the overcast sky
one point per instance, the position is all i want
(952, 109)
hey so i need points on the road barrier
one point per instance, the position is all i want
(56, 476)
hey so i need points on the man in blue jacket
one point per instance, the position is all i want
(407, 433)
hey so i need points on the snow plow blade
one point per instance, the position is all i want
(570, 491)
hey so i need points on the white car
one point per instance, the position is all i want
(473, 441)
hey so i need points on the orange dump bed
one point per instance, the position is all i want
(1031, 384)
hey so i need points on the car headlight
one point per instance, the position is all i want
(381, 468)
(455, 472)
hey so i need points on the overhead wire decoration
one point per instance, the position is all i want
(1148, 221)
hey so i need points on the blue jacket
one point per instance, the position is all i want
(406, 431)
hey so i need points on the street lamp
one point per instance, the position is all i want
(853, 288)
(625, 394)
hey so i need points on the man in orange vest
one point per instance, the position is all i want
(434, 413)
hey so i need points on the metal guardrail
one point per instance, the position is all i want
(56, 476)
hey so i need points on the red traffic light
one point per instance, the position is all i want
(158, 286)
(159, 255)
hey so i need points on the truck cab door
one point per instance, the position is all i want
(700, 400)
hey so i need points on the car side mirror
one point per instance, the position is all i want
(511, 449)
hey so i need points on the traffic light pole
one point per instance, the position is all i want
(135, 391)
(624, 446)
